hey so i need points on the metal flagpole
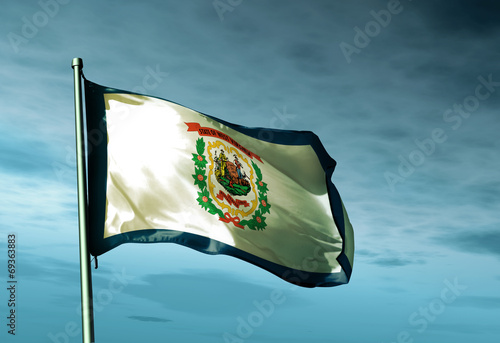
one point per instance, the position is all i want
(85, 275)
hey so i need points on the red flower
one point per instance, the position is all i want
(258, 220)
(205, 199)
(200, 158)
(263, 202)
(261, 183)
(200, 177)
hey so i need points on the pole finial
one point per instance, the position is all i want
(77, 61)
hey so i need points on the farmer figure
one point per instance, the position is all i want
(223, 160)
(238, 167)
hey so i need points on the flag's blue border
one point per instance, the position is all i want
(97, 170)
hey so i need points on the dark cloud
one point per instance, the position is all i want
(365, 252)
(390, 133)
(461, 16)
(396, 261)
(149, 319)
(485, 194)
(481, 302)
(213, 293)
(389, 258)
(310, 57)
(24, 154)
(485, 242)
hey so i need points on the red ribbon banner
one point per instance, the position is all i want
(234, 202)
(235, 220)
(209, 132)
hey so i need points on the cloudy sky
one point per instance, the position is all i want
(404, 95)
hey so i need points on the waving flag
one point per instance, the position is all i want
(161, 172)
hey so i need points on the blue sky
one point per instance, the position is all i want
(404, 95)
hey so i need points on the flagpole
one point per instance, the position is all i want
(85, 275)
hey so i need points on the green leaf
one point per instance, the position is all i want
(214, 210)
(200, 146)
(249, 223)
(257, 171)
(262, 188)
(204, 199)
(264, 206)
(199, 160)
(258, 222)
(200, 178)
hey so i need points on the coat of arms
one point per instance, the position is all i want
(230, 183)
(231, 175)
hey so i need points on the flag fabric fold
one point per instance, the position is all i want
(161, 172)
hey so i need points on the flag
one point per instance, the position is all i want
(161, 172)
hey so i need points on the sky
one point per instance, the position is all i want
(403, 94)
